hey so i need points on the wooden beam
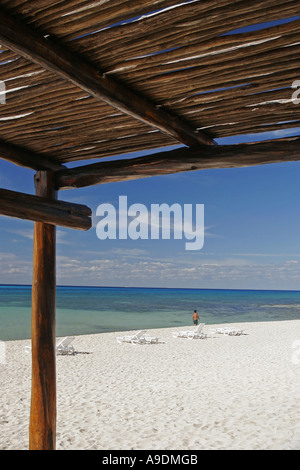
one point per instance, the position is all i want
(180, 160)
(23, 157)
(59, 60)
(42, 428)
(42, 209)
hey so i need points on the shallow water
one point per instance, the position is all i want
(87, 310)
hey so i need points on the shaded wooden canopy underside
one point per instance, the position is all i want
(91, 79)
(126, 76)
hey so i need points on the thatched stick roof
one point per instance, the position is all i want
(91, 79)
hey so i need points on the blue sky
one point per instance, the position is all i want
(252, 228)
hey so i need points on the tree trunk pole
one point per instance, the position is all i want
(42, 428)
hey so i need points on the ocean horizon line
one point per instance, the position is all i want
(156, 288)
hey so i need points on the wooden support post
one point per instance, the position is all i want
(42, 429)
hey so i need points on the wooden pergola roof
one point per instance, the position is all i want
(93, 79)
(90, 79)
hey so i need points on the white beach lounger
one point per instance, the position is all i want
(197, 334)
(228, 331)
(142, 337)
(191, 334)
(234, 332)
(217, 330)
(150, 339)
(63, 346)
(137, 338)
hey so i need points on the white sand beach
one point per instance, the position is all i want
(222, 392)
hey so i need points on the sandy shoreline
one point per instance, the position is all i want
(223, 392)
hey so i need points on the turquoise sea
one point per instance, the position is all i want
(88, 310)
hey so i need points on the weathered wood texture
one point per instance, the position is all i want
(28, 159)
(180, 160)
(42, 430)
(42, 209)
(59, 60)
(179, 58)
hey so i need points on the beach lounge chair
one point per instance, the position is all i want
(150, 339)
(63, 346)
(234, 332)
(191, 334)
(228, 331)
(217, 330)
(133, 339)
(198, 333)
(138, 338)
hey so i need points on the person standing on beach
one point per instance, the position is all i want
(196, 318)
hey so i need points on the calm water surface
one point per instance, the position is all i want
(87, 310)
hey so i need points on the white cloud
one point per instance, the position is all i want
(139, 267)
(26, 233)
(145, 271)
(14, 269)
(61, 236)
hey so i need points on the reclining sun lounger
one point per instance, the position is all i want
(150, 339)
(228, 331)
(63, 346)
(138, 338)
(191, 334)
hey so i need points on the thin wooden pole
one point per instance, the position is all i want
(42, 429)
